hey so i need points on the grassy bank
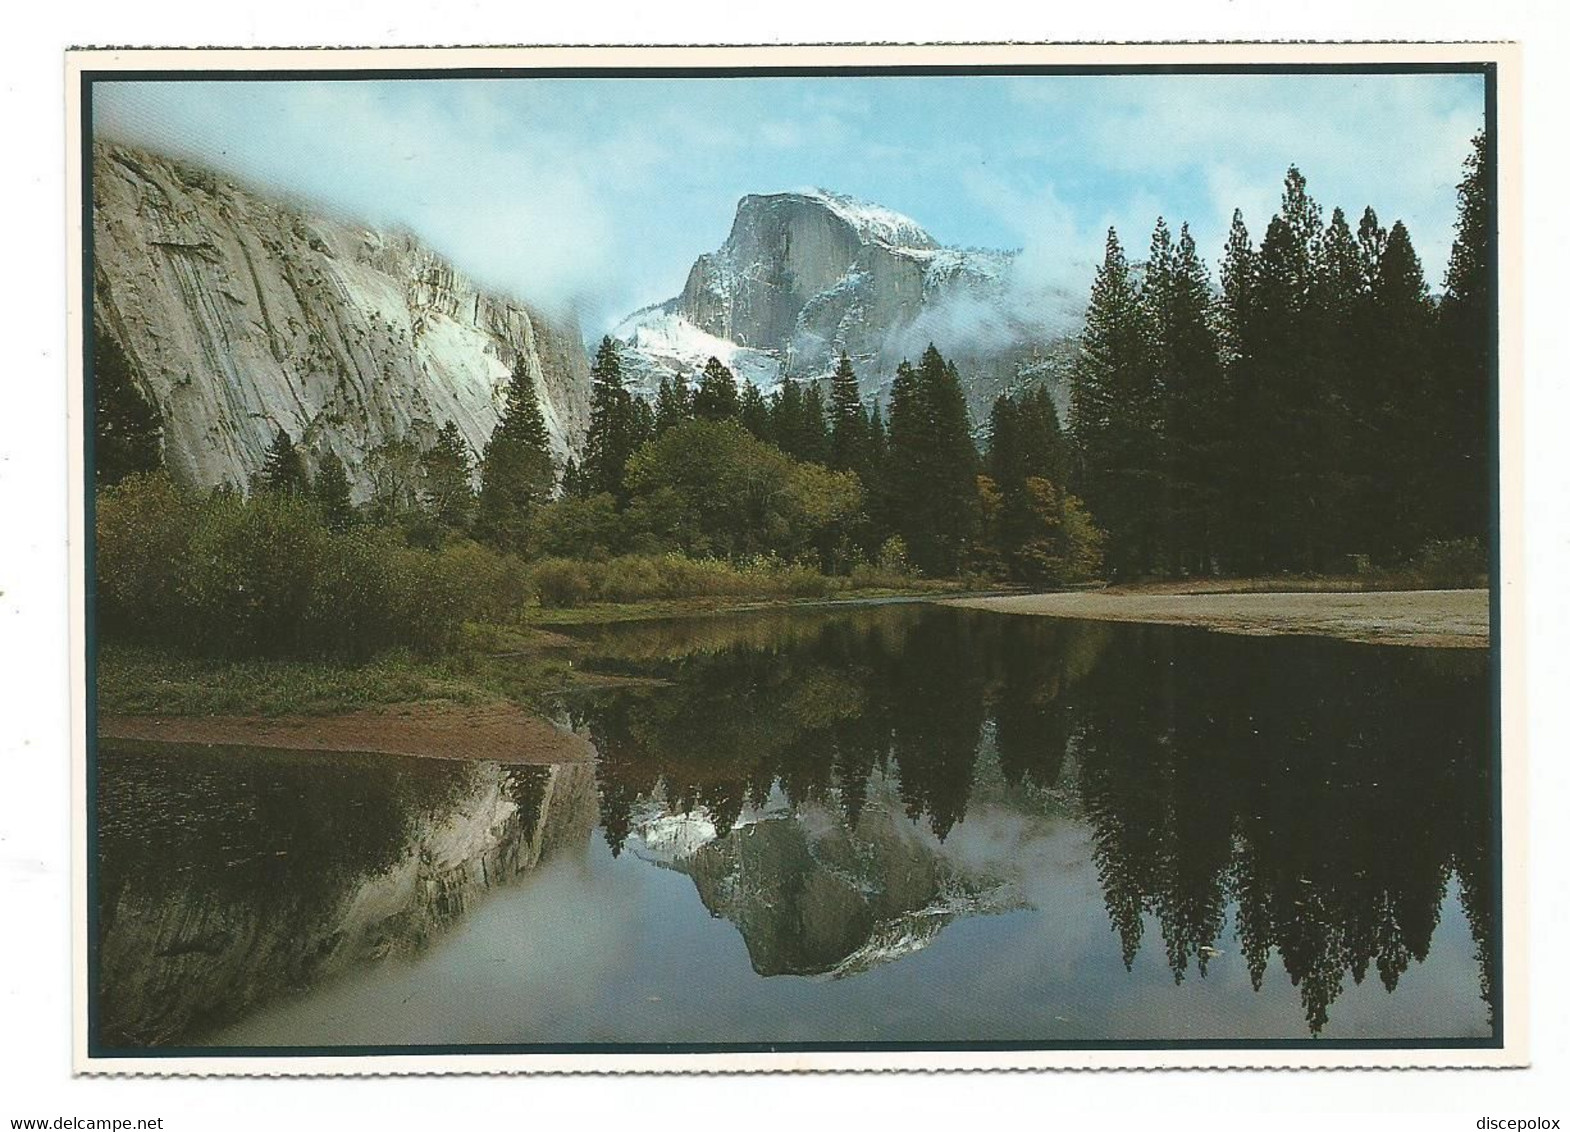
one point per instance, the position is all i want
(519, 663)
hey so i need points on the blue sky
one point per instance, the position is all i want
(599, 193)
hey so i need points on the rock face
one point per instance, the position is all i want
(241, 315)
(804, 276)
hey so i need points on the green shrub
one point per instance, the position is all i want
(579, 528)
(142, 530)
(427, 608)
(893, 556)
(563, 583)
(636, 578)
(493, 586)
(352, 595)
(265, 576)
(252, 564)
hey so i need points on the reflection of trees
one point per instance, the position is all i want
(938, 710)
(1325, 793)
(1030, 713)
(1323, 788)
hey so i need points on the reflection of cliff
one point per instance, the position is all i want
(226, 881)
(812, 894)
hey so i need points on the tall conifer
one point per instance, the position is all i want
(850, 434)
(1114, 412)
(1468, 334)
(614, 427)
(517, 473)
(716, 398)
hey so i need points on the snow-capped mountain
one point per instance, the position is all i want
(804, 276)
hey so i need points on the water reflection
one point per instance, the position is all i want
(229, 878)
(907, 822)
(1321, 795)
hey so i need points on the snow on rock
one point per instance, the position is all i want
(803, 276)
(675, 837)
(663, 344)
(873, 222)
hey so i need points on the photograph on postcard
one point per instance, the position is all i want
(679, 560)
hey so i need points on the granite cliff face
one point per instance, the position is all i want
(241, 315)
(804, 276)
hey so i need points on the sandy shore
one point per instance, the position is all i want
(497, 733)
(1426, 618)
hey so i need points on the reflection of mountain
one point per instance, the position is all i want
(226, 881)
(813, 894)
(1316, 796)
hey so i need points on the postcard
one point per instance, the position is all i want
(797, 558)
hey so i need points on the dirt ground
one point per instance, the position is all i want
(498, 732)
(1425, 618)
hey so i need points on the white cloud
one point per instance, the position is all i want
(600, 193)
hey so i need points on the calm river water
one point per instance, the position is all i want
(891, 824)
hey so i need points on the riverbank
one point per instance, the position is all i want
(502, 733)
(1416, 618)
(486, 698)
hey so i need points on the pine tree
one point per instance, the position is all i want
(1405, 505)
(877, 437)
(880, 521)
(796, 423)
(1026, 444)
(908, 436)
(642, 423)
(448, 490)
(1026, 440)
(755, 413)
(1114, 414)
(283, 469)
(1158, 504)
(1294, 406)
(932, 465)
(127, 430)
(850, 435)
(615, 431)
(1342, 313)
(1371, 239)
(672, 404)
(1239, 279)
(1240, 443)
(1193, 398)
(332, 492)
(573, 484)
(517, 473)
(813, 446)
(716, 398)
(785, 417)
(1467, 331)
